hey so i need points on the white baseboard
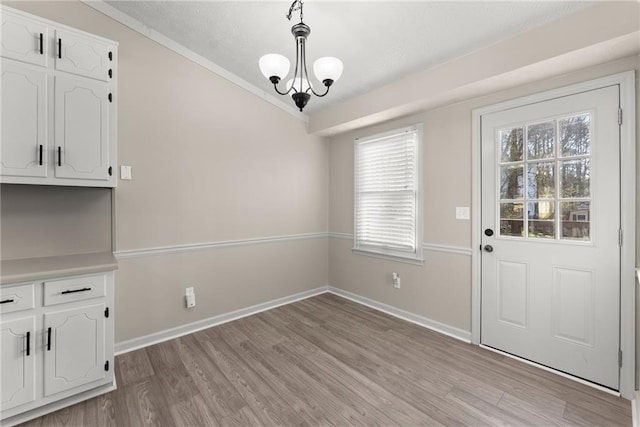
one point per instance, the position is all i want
(425, 322)
(189, 328)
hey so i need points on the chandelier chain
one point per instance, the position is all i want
(296, 5)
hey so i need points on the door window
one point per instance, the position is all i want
(544, 179)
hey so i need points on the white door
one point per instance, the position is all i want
(23, 39)
(82, 55)
(23, 140)
(550, 233)
(74, 352)
(81, 129)
(17, 362)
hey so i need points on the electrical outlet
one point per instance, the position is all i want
(396, 280)
(190, 297)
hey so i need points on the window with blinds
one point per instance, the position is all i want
(387, 194)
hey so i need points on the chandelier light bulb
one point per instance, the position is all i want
(328, 69)
(297, 87)
(274, 65)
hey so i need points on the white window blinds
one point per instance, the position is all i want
(386, 193)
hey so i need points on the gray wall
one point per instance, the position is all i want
(41, 221)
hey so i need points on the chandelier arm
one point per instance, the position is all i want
(275, 86)
(295, 72)
(320, 95)
(306, 75)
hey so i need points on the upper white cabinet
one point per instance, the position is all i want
(58, 98)
(82, 133)
(24, 39)
(24, 121)
(82, 55)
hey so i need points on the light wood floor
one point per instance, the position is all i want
(328, 361)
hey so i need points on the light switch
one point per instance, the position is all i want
(462, 212)
(125, 172)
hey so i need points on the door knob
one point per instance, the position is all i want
(488, 248)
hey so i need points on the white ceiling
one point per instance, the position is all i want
(378, 41)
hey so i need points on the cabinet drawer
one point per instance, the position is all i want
(74, 289)
(16, 298)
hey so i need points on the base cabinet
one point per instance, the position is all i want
(75, 353)
(18, 362)
(56, 342)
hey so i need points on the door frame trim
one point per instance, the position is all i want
(626, 81)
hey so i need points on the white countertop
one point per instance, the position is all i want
(30, 269)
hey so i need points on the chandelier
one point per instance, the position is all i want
(275, 67)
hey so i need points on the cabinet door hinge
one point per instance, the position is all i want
(106, 366)
(110, 56)
(106, 312)
(619, 116)
(110, 73)
(110, 97)
(620, 237)
(620, 358)
(110, 170)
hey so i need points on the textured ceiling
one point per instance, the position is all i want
(378, 41)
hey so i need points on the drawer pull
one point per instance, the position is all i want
(73, 291)
(6, 301)
(49, 339)
(28, 343)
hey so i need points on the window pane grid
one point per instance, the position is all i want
(544, 176)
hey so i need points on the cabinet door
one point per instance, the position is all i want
(23, 39)
(74, 352)
(81, 129)
(23, 147)
(17, 366)
(82, 55)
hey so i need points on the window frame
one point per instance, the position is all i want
(415, 257)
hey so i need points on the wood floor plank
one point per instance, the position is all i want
(243, 418)
(146, 404)
(193, 412)
(133, 366)
(329, 361)
(258, 394)
(214, 387)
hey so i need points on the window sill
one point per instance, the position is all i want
(407, 260)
